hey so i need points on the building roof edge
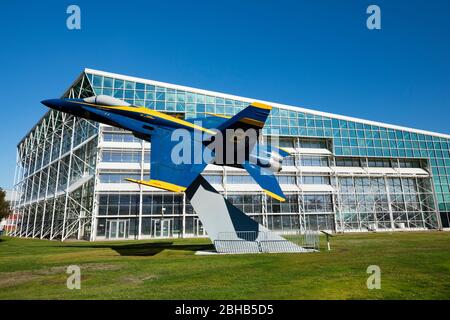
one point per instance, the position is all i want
(275, 104)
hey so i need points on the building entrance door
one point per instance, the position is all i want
(162, 228)
(117, 229)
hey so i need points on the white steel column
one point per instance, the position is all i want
(41, 136)
(32, 188)
(48, 175)
(391, 215)
(69, 172)
(436, 204)
(26, 181)
(264, 209)
(63, 119)
(140, 190)
(37, 205)
(336, 193)
(404, 201)
(94, 209)
(420, 203)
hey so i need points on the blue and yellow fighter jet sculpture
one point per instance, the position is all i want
(157, 128)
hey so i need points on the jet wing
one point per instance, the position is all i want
(266, 179)
(167, 170)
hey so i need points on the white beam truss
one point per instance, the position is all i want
(55, 170)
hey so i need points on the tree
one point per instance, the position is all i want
(5, 209)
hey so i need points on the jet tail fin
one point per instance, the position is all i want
(254, 116)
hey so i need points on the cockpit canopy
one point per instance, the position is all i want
(106, 101)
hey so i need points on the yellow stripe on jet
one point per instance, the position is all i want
(218, 115)
(159, 184)
(275, 196)
(154, 113)
(244, 120)
(164, 116)
(284, 149)
(253, 122)
(261, 105)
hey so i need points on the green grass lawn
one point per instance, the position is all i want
(413, 266)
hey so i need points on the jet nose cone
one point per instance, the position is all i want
(51, 103)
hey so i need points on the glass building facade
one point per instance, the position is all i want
(344, 174)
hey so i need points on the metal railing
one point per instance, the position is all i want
(308, 239)
(267, 242)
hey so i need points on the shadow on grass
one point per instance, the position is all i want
(148, 249)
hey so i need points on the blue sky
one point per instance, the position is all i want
(314, 54)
